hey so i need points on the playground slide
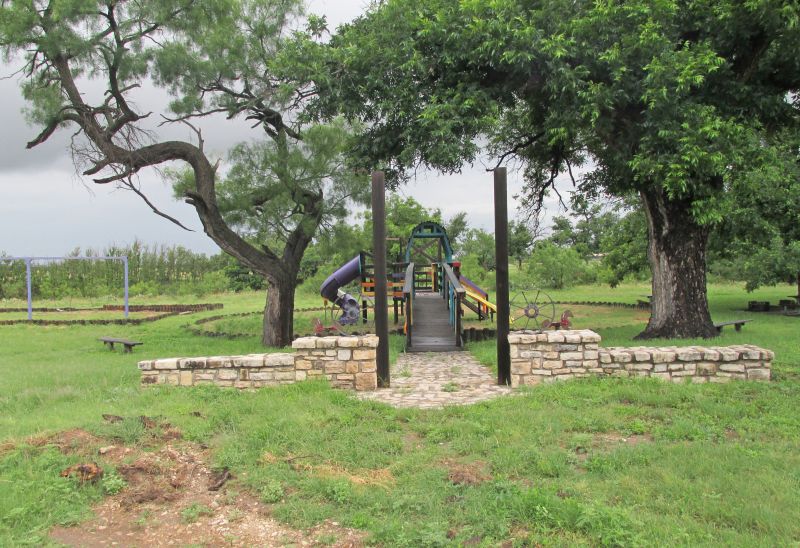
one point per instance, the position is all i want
(477, 294)
(331, 290)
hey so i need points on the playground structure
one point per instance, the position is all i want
(426, 287)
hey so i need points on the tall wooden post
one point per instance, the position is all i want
(501, 272)
(379, 259)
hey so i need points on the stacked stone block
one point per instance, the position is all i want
(560, 355)
(347, 362)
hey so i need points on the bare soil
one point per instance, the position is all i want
(168, 502)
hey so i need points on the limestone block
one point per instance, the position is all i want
(513, 338)
(302, 364)
(366, 381)
(732, 367)
(707, 368)
(368, 367)
(347, 342)
(285, 375)
(331, 352)
(369, 341)
(515, 380)
(728, 355)
(261, 376)
(326, 342)
(215, 362)
(689, 355)
(591, 363)
(520, 367)
(641, 356)
(351, 367)
(300, 375)
(203, 376)
(527, 354)
(566, 347)
(758, 374)
(660, 356)
(227, 374)
(596, 370)
(171, 378)
(253, 360)
(751, 354)
(591, 346)
(551, 355)
(659, 368)
(767, 355)
(171, 363)
(661, 375)
(641, 366)
(573, 363)
(605, 357)
(345, 377)
(513, 350)
(589, 336)
(552, 364)
(305, 342)
(145, 365)
(676, 367)
(280, 360)
(542, 372)
(555, 337)
(573, 337)
(571, 356)
(335, 367)
(621, 356)
(364, 354)
(711, 355)
(186, 378)
(562, 371)
(591, 355)
(193, 363)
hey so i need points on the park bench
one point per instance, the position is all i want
(735, 323)
(110, 341)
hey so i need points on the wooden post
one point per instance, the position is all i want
(379, 260)
(501, 272)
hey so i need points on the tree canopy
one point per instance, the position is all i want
(667, 101)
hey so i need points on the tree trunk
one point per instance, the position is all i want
(677, 254)
(279, 313)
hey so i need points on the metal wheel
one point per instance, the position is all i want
(530, 309)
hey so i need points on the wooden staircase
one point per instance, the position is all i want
(432, 331)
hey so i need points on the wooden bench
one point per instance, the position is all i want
(110, 341)
(735, 323)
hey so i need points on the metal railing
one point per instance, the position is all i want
(452, 291)
(408, 299)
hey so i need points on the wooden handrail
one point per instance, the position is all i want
(452, 279)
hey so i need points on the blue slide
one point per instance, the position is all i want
(331, 290)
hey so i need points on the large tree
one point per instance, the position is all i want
(664, 100)
(213, 56)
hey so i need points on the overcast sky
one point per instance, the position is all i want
(47, 209)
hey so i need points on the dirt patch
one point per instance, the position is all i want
(377, 477)
(469, 473)
(615, 438)
(75, 441)
(167, 502)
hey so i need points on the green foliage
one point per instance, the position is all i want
(554, 267)
(195, 511)
(624, 248)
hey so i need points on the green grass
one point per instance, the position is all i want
(595, 462)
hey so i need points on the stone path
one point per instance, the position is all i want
(435, 379)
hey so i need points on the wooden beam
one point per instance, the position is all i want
(501, 273)
(379, 258)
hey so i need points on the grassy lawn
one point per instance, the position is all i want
(596, 462)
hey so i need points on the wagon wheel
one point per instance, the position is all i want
(532, 308)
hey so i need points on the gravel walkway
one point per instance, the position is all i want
(435, 379)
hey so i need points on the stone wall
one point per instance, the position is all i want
(560, 355)
(347, 362)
